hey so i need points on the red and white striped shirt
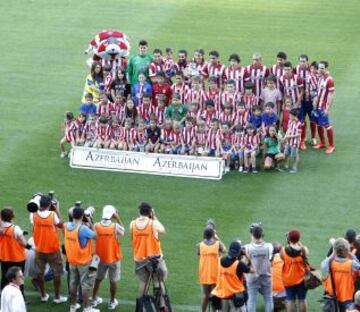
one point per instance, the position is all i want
(140, 136)
(208, 116)
(257, 77)
(212, 138)
(313, 81)
(236, 140)
(107, 81)
(294, 129)
(228, 117)
(154, 68)
(105, 109)
(115, 132)
(249, 100)
(182, 90)
(69, 129)
(129, 135)
(188, 135)
(233, 98)
(237, 73)
(325, 87)
(159, 113)
(118, 109)
(302, 72)
(292, 86)
(90, 130)
(211, 70)
(277, 70)
(197, 96)
(115, 64)
(242, 119)
(145, 112)
(224, 138)
(166, 135)
(200, 138)
(251, 141)
(101, 131)
(196, 115)
(216, 97)
(176, 138)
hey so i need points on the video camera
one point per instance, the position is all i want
(88, 212)
(34, 204)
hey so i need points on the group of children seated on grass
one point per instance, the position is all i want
(199, 117)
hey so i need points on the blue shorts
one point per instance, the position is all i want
(226, 147)
(296, 292)
(320, 118)
(291, 151)
(212, 151)
(237, 155)
(176, 150)
(306, 109)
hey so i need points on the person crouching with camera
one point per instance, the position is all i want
(109, 251)
(145, 233)
(78, 247)
(230, 293)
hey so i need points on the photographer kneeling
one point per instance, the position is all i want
(79, 254)
(145, 233)
(230, 293)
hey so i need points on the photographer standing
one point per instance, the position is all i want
(12, 245)
(79, 254)
(145, 233)
(260, 255)
(47, 245)
(230, 293)
(109, 250)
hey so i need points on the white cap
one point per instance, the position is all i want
(108, 212)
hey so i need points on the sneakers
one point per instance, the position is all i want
(91, 309)
(113, 304)
(319, 146)
(96, 301)
(45, 298)
(330, 150)
(241, 169)
(254, 171)
(313, 142)
(75, 307)
(246, 170)
(63, 154)
(60, 300)
(302, 146)
(294, 170)
(227, 169)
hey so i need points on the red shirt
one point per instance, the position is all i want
(257, 77)
(291, 86)
(237, 73)
(158, 90)
(211, 70)
(325, 87)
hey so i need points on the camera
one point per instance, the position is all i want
(210, 224)
(34, 204)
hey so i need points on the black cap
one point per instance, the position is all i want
(235, 249)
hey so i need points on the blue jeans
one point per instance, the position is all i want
(263, 285)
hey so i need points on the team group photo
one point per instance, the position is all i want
(180, 156)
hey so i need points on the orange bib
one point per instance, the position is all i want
(107, 247)
(276, 273)
(75, 254)
(10, 249)
(293, 272)
(46, 237)
(209, 263)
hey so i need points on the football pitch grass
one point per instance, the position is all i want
(42, 76)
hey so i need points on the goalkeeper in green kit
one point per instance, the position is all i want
(139, 63)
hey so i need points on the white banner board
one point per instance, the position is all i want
(146, 163)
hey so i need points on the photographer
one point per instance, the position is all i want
(343, 265)
(260, 255)
(230, 293)
(47, 245)
(109, 250)
(79, 254)
(209, 250)
(145, 233)
(12, 245)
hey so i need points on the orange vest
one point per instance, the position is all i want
(75, 254)
(228, 283)
(209, 263)
(46, 237)
(293, 272)
(276, 274)
(107, 246)
(343, 280)
(145, 244)
(10, 249)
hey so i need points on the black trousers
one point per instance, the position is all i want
(5, 266)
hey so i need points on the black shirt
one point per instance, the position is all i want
(242, 268)
(153, 135)
(121, 86)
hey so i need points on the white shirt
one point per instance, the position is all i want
(44, 214)
(12, 299)
(17, 230)
(119, 230)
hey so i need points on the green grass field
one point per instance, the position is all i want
(42, 75)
